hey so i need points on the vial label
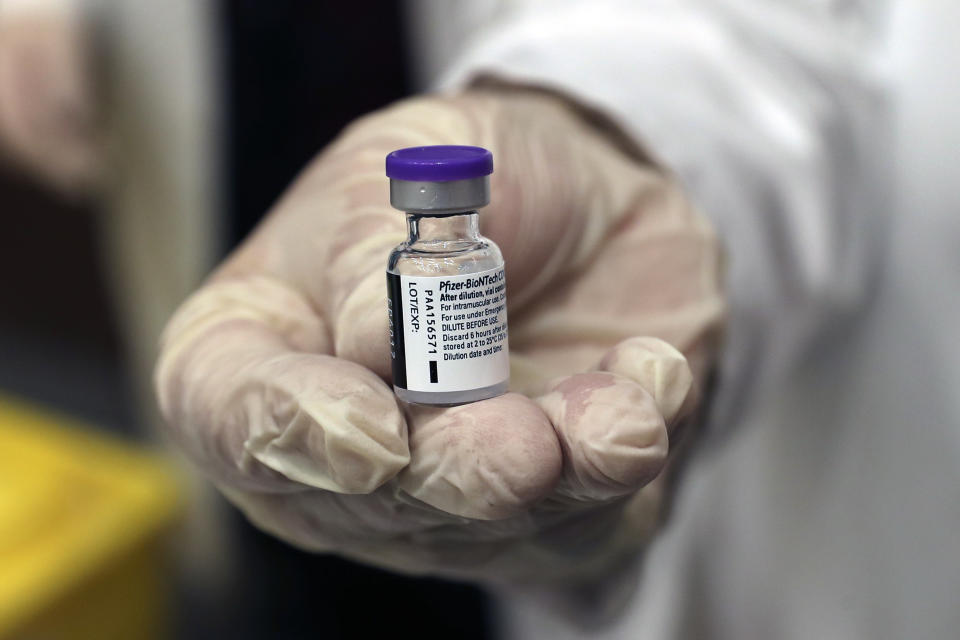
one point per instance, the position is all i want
(448, 333)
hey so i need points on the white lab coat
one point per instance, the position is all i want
(819, 138)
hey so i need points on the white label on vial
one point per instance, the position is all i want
(449, 333)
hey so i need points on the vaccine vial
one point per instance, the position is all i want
(447, 298)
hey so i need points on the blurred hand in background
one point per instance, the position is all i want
(47, 96)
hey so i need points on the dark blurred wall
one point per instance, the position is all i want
(59, 341)
(297, 72)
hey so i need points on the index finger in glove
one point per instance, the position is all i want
(246, 387)
(485, 460)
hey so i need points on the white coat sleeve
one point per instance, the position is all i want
(764, 111)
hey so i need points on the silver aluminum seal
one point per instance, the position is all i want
(440, 197)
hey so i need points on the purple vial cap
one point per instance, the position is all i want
(439, 163)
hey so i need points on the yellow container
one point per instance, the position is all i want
(83, 520)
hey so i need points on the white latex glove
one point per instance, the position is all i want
(274, 377)
(46, 92)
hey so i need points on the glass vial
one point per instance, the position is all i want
(446, 286)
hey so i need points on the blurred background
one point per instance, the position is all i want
(139, 142)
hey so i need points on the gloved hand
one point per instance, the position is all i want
(274, 377)
(47, 115)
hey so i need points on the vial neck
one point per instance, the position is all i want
(434, 229)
